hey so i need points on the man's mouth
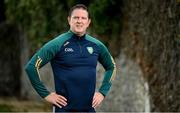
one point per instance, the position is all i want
(79, 26)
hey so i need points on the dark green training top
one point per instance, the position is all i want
(73, 60)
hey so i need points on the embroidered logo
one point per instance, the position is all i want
(90, 50)
(66, 43)
(68, 50)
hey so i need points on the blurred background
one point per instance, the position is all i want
(142, 35)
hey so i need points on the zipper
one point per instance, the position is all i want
(80, 47)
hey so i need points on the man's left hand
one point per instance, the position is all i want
(97, 99)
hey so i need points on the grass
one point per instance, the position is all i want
(5, 108)
(14, 105)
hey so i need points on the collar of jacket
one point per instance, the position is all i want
(76, 37)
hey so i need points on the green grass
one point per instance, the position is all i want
(5, 108)
(14, 105)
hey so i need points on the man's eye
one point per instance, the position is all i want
(75, 17)
(84, 18)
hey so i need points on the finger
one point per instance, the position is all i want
(58, 105)
(62, 102)
(94, 103)
(62, 97)
(94, 97)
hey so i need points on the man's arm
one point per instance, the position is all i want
(32, 69)
(110, 70)
(43, 56)
(107, 62)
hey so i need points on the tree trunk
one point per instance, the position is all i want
(10, 61)
(150, 30)
(2, 11)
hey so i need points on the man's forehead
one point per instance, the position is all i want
(79, 12)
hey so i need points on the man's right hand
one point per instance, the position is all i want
(56, 99)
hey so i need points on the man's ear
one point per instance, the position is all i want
(89, 22)
(69, 19)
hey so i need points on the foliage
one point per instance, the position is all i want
(42, 20)
(106, 17)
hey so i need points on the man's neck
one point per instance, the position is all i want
(78, 34)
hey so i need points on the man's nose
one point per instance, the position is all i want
(79, 20)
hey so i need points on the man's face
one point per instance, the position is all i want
(79, 21)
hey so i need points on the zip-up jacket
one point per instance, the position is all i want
(73, 60)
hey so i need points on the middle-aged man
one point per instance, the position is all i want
(73, 56)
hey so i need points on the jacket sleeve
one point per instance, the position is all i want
(110, 69)
(43, 56)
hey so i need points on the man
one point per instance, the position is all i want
(73, 56)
